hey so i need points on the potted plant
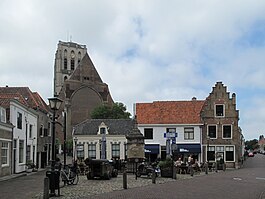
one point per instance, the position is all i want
(166, 168)
(30, 166)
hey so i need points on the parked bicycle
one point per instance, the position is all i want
(69, 175)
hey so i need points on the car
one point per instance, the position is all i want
(100, 168)
(250, 154)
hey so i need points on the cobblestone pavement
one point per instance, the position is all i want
(87, 188)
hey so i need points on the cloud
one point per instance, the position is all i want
(144, 50)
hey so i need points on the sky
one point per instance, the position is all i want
(145, 50)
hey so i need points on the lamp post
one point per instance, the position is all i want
(75, 152)
(55, 104)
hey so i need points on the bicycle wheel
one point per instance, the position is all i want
(76, 179)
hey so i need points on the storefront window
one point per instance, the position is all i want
(229, 153)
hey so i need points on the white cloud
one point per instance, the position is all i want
(144, 50)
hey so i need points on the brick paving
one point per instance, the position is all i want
(86, 188)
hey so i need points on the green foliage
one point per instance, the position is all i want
(117, 111)
(251, 144)
(165, 163)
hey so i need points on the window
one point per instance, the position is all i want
(103, 130)
(65, 60)
(211, 153)
(92, 151)
(212, 131)
(219, 110)
(72, 64)
(227, 131)
(2, 115)
(188, 133)
(80, 151)
(19, 120)
(65, 78)
(116, 150)
(229, 153)
(79, 57)
(30, 131)
(5, 154)
(21, 151)
(65, 63)
(148, 133)
(41, 131)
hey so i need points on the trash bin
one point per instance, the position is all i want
(54, 181)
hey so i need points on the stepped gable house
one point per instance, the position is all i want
(221, 133)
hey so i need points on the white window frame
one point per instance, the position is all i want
(92, 149)
(227, 148)
(216, 131)
(115, 149)
(7, 149)
(231, 131)
(187, 132)
(223, 110)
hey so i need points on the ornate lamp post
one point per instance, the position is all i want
(55, 104)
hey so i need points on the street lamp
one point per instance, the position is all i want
(55, 104)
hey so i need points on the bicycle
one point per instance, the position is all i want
(69, 176)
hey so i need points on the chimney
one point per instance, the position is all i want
(194, 99)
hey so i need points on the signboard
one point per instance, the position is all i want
(170, 135)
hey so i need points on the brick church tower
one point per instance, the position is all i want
(78, 84)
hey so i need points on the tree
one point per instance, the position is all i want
(251, 144)
(117, 111)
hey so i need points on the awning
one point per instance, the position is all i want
(188, 148)
(153, 148)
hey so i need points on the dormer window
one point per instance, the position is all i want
(219, 110)
(103, 129)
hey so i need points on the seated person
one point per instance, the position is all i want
(178, 162)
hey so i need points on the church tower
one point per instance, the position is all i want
(67, 57)
(78, 84)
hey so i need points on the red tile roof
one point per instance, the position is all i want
(25, 96)
(5, 99)
(169, 112)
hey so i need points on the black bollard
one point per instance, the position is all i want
(153, 176)
(46, 188)
(124, 178)
(174, 173)
(206, 167)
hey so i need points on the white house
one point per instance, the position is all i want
(102, 138)
(24, 134)
(181, 117)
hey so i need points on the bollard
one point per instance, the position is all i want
(191, 170)
(46, 188)
(153, 176)
(206, 167)
(124, 179)
(174, 173)
(224, 167)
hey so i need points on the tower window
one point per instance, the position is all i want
(65, 63)
(72, 64)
